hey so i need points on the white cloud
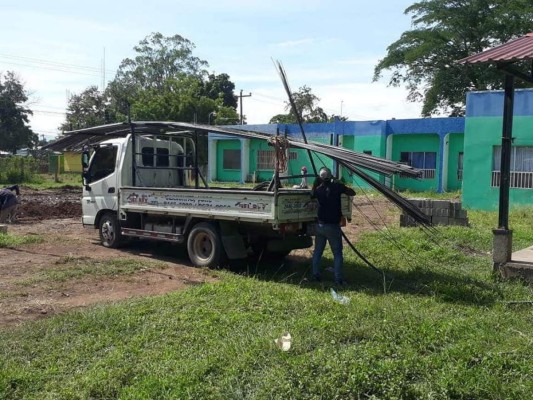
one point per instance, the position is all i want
(295, 43)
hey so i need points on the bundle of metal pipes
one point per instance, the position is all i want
(353, 161)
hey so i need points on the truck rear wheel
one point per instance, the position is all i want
(205, 246)
(109, 228)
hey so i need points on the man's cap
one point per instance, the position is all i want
(324, 173)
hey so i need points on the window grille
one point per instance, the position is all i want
(267, 158)
(425, 161)
(521, 176)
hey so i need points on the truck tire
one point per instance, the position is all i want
(109, 228)
(205, 246)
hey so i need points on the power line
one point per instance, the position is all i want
(48, 112)
(41, 61)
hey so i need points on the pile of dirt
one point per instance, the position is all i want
(49, 204)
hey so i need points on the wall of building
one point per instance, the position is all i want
(483, 131)
(454, 145)
(72, 162)
(385, 139)
(222, 174)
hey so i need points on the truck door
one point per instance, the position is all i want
(100, 191)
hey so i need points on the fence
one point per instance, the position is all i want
(15, 169)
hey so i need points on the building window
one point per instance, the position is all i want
(231, 159)
(521, 167)
(425, 161)
(267, 158)
(460, 166)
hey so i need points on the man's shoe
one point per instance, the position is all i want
(341, 282)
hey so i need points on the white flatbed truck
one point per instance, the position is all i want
(147, 185)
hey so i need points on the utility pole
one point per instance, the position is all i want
(240, 103)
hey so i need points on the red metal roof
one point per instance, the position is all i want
(515, 50)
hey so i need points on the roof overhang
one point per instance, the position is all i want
(505, 57)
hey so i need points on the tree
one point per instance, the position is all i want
(307, 104)
(164, 81)
(158, 59)
(219, 86)
(89, 108)
(14, 133)
(444, 31)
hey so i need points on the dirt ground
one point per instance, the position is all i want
(56, 216)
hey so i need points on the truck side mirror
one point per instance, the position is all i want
(85, 159)
(85, 165)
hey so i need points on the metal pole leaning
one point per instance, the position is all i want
(362, 257)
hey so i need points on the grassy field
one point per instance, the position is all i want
(440, 326)
(48, 181)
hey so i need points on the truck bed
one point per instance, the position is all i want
(285, 206)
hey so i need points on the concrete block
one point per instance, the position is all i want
(442, 212)
(406, 221)
(427, 210)
(462, 214)
(457, 205)
(440, 220)
(441, 204)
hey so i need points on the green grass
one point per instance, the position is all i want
(455, 195)
(76, 268)
(48, 181)
(8, 240)
(443, 330)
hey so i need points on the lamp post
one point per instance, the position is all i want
(209, 117)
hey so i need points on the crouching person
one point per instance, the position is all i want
(8, 203)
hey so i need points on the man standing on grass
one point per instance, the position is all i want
(328, 229)
(8, 203)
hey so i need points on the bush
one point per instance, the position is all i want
(16, 169)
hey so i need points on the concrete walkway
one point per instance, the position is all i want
(524, 255)
(520, 266)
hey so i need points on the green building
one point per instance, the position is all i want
(482, 150)
(433, 145)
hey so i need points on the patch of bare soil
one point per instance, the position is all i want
(56, 215)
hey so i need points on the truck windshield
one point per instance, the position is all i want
(103, 163)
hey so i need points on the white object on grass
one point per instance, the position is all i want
(284, 342)
(339, 298)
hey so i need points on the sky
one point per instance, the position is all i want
(59, 48)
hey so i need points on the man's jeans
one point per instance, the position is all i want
(8, 214)
(328, 233)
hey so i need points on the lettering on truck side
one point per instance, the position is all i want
(251, 206)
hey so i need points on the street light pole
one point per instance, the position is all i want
(209, 117)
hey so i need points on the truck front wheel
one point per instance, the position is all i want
(109, 227)
(204, 245)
